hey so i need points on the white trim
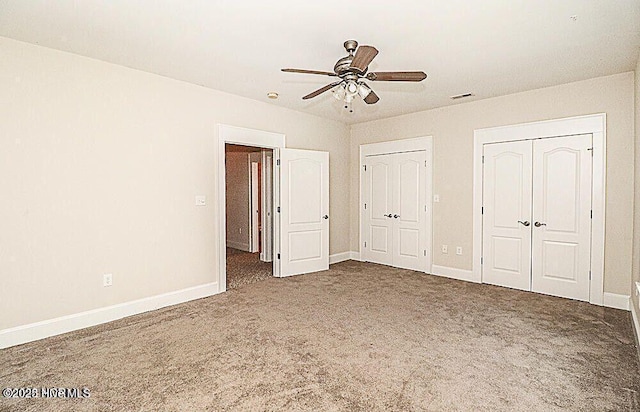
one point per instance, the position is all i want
(395, 146)
(634, 314)
(254, 199)
(453, 273)
(266, 254)
(247, 137)
(354, 255)
(613, 300)
(592, 124)
(399, 146)
(44, 329)
(339, 257)
(237, 245)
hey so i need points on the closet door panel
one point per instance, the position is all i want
(562, 216)
(378, 222)
(409, 192)
(507, 214)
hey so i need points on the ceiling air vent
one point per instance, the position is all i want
(461, 96)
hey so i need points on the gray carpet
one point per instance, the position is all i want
(244, 268)
(359, 337)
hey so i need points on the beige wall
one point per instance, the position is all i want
(99, 166)
(452, 130)
(238, 185)
(636, 219)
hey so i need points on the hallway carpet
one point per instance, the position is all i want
(244, 268)
(358, 337)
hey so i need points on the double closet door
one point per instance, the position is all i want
(394, 218)
(537, 215)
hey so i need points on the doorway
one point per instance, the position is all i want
(569, 128)
(537, 215)
(395, 190)
(300, 211)
(249, 236)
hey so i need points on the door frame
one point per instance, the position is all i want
(266, 249)
(247, 137)
(399, 146)
(591, 124)
(254, 200)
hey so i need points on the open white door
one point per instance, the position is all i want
(304, 211)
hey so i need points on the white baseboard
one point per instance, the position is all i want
(44, 329)
(240, 246)
(454, 273)
(612, 300)
(339, 257)
(636, 323)
(354, 255)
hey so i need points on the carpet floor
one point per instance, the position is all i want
(358, 337)
(244, 268)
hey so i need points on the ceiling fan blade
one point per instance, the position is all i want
(308, 72)
(397, 76)
(321, 90)
(372, 98)
(364, 56)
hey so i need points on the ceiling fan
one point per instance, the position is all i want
(351, 70)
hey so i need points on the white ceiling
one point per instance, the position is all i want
(489, 47)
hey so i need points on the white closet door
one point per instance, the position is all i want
(304, 203)
(562, 216)
(378, 219)
(409, 214)
(507, 215)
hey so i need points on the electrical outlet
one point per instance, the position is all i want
(107, 279)
(445, 249)
(459, 250)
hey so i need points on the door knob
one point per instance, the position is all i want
(396, 216)
(325, 217)
(538, 224)
(525, 223)
(389, 215)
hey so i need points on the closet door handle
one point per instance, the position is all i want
(325, 217)
(389, 216)
(525, 223)
(396, 216)
(538, 224)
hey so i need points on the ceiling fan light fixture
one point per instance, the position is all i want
(339, 92)
(351, 87)
(363, 90)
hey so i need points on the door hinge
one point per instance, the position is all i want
(481, 260)
(591, 214)
(365, 167)
(483, 159)
(425, 252)
(589, 275)
(278, 162)
(278, 255)
(365, 244)
(365, 206)
(482, 210)
(425, 208)
(591, 150)
(278, 209)
(425, 163)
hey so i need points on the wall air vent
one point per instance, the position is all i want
(461, 96)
